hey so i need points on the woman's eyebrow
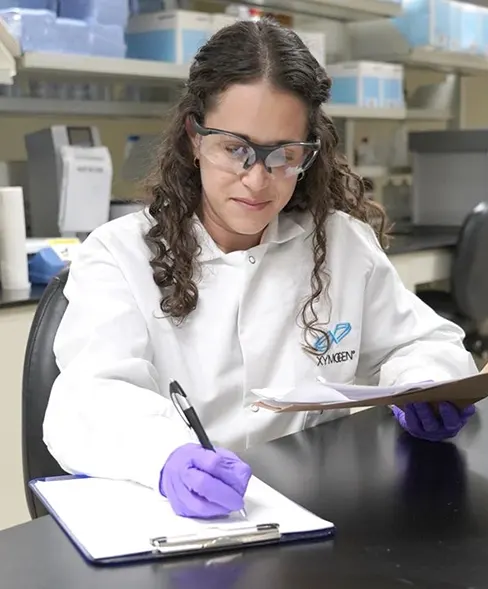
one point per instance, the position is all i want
(276, 142)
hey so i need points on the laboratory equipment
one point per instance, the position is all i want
(450, 175)
(69, 179)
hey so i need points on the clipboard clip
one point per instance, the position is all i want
(221, 538)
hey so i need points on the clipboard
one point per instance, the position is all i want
(225, 535)
(462, 392)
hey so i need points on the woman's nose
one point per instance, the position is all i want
(256, 177)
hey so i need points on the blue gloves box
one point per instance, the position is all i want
(45, 265)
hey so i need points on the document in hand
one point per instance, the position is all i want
(113, 522)
(319, 395)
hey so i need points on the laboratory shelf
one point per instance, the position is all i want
(113, 108)
(380, 40)
(446, 61)
(69, 66)
(347, 10)
(343, 111)
(91, 108)
(428, 114)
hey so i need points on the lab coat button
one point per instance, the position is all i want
(252, 259)
(254, 408)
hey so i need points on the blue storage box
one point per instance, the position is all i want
(32, 4)
(174, 36)
(425, 23)
(357, 83)
(484, 31)
(144, 6)
(73, 36)
(105, 12)
(107, 40)
(33, 29)
(471, 40)
(392, 93)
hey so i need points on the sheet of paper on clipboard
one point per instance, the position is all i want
(113, 522)
(319, 395)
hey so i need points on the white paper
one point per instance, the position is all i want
(328, 393)
(117, 518)
(86, 188)
(14, 273)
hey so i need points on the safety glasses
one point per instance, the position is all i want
(234, 153)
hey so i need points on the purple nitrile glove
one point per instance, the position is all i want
(420, 421)
(204, 484)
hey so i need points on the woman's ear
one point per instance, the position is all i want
(192, 134)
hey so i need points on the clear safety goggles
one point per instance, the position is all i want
(234, 153)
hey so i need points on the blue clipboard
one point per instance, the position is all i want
(261, 535)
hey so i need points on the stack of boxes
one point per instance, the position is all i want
(87, 27)
(444, 24)
(105, 21)
(367, 84)
(176, 36)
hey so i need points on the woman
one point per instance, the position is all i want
(256, 265)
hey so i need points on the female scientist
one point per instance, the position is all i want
(257, 264)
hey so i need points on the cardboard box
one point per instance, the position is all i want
(173, 36)
(316, 43)
(357, 83)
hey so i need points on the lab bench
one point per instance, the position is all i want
(17, 299)
(424, 254)
(421, 245)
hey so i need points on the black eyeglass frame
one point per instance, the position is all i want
(261, 151)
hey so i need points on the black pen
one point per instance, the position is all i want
(190, 417)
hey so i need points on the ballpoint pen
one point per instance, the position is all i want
(190, 417)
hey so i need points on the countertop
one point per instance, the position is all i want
(421, 238)
(9, 299)
(409, 514)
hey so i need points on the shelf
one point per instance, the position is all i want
(69, 66)
(92, 108)
(428, 114)
(380, 41)
(446, 61)
(155, 110)
(343, 111)
(347, 10)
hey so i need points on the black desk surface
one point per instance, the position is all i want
(421, 238)
(408, 514)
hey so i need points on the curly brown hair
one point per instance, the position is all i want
(247, 52)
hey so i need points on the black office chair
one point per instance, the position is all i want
(467, 302)
(40, 372)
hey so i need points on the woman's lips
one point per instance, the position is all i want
(252, 205)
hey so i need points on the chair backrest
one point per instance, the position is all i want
(469, 274)
(40, 372)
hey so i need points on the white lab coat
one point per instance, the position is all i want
(109, 413)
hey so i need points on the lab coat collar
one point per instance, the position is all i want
(282, 229)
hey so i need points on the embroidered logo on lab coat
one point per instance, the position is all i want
(336, 336)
